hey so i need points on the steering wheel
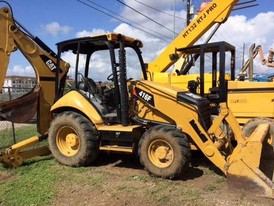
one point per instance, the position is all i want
(91, 84)
(110, 77)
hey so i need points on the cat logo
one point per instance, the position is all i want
(50, 64)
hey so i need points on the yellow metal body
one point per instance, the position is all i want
(74, 100)
(251, 99)
(242, 162)
(165, 97)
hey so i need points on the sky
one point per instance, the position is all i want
(54, 21)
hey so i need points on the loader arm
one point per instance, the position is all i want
(216, 12)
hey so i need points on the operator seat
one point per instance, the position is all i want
(87, 85)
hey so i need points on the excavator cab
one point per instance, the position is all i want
(107, 93)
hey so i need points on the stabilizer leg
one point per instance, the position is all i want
(14, 156)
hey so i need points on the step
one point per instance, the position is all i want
(116, 148)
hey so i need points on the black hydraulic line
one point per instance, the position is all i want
(35, 39)
(57, 76)
(146, 122)
(24, 28)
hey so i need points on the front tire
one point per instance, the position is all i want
(164, 151)
(73, 139)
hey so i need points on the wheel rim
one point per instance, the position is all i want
(67, 141)
(161, 153)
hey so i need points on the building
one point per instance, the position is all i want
(18, 83)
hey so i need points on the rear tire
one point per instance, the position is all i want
(164, 151)
(268, 146)
(73, 139)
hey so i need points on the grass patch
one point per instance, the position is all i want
(36, 182)
(32, 185)
(25, 132)
(210, 187)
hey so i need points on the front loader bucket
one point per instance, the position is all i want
(247, 170)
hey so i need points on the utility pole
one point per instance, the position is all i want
(189, 11)
(188, 15)
(243, 58)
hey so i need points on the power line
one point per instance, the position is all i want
(153, 8)
(127, 19)
(146, 16)
(120, 19)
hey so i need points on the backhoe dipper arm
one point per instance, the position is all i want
(216, 12)
(43, 60)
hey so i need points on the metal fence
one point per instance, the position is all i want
(11, 133)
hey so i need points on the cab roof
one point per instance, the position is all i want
(90, 44)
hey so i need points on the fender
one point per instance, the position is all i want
(75, 100)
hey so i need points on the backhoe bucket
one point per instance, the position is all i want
(247, 170)
(15, 110)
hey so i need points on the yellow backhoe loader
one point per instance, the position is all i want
(158, 122)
